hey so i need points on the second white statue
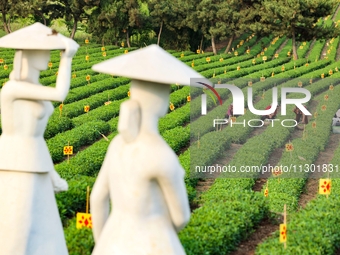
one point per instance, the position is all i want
(141, 174)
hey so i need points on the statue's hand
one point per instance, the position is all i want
(60, 185)
(71, 47)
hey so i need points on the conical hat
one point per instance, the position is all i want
(152, 64)
(34, 37)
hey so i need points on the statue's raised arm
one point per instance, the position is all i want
(25, 76)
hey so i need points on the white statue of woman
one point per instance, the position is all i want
(30, 222)
(141, 175)
(145, 181)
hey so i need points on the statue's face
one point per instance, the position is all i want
(152, 97)
(38, 58)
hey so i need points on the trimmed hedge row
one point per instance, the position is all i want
(178, 54)
(93, 88)
(220, 202)
(80, 80)
(79, 61)
(287, 48)
(305, 48)
(215, 60)
(104, 113)
(270, 51)
(199, 236)
(74, 200)
(80, 136)
(289, 189)
(75, 109)
(237, 213)
(315, 53)
(255, 152)
(333, 46)
(79, 241)
(89, 161)
(107, 112)
(177, 138)
(57, 125)
(314, 229)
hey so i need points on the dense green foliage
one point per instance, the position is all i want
(180, 24)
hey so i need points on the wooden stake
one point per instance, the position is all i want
(284, 214)
(87, 199)
(328, 180)
(102, 135)
(285, 222)
(68, 155)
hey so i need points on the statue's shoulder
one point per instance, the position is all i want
(162, 156)
(157, 144)
(116, 142)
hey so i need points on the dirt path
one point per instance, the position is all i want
(312, 185)
(336, 13)
(337, 58)
(324, 50)
(248, 247)
(273, 161)
(280, 48)
(277, 154)
(310, 49)
(205, 183)
(266, 226)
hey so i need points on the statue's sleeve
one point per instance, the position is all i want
(173, 187)
(100, 199)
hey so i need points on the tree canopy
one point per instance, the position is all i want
(297, 19)
(181, 24)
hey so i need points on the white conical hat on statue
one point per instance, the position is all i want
(152, 64)
(34, 37)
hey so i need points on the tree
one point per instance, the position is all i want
(38, 10)
(7, 8)
(168, 18)
(45, 11)
(217, 19)
(74, 11)
(114, 20)
(161, 14)
(297, 19)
